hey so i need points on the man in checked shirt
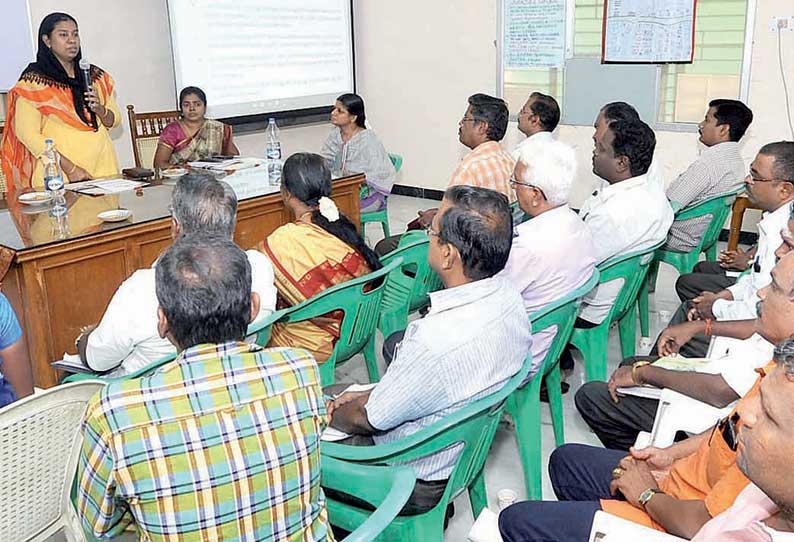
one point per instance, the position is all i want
(223, 443)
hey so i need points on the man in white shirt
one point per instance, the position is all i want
(630, 214)
(126, 339)
(540, 270)
(537, 120)
(770, 186)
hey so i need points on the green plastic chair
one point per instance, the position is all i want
(519, 216)
(717, 207)
(407, 290)
(523, 405)
(381, 215)
(592, 342)
(359, 299)
(386, 488)
(473, 426)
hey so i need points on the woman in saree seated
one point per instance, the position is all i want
(352, 148)
(193, 137)
(320, 249)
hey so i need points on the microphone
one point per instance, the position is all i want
(85, 69)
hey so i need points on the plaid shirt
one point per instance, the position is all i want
(221, 444)
(486, 166)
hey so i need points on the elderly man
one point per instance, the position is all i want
(481, 128)
(221, 444)
(764, 511)
(542, 271)
(537, 120)
(436, 372)
(696, 480)
(770, 185)
(126, 338)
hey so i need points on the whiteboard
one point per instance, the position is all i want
(648, 31)
(17, 42)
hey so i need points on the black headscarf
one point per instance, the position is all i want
(49, 70)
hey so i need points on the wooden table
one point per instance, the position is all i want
(59, 281)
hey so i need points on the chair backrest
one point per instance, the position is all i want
(632, 268)
(717, 207)
(145, 129)
(387, 489)
(562, 314)
(396, 161)
(473, 426)
(409, 286)
(359, 300)
(39, 445)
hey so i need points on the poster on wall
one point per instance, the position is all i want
(534, 35)
(648, 31)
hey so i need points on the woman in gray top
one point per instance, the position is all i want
(352, 148)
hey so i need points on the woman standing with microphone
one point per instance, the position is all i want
(51, 100)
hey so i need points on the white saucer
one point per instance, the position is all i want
(35, 198)
(115, 215)
(173, 172)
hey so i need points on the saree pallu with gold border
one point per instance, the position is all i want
(307, 260)
(210, 140)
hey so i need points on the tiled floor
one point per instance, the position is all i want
(503, 470)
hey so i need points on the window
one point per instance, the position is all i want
(684, 89)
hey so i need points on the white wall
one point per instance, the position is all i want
(417, 62)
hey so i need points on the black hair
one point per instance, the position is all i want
(547, 109)
(355, 106)
(48, 69)
(306, 177)
(187, 91)
(635, 140)
(491, 110)
(479, 224)
(619, 111)
(733, 113)
(783, 152)
(203, 285)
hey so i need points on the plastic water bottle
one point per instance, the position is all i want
(273, 154)
(53, 178)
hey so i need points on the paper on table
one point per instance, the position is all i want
(104, 187)
(332, 435)
(235, 164)
(646, 392)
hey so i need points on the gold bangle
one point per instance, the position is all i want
(74, 168)
(634, 370)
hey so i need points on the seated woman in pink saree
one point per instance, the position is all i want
(193, 137)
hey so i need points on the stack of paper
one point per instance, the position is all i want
(104, 187)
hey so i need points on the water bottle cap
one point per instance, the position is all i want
(48, 141)
(271, 120)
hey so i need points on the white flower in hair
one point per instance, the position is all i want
(328, 209)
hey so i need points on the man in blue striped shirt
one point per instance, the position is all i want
(474, 338)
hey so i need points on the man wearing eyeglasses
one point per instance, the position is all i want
(770, 186)
(676, 489)
(537, 120)
(488, 165)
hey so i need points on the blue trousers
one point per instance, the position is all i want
(580, 476)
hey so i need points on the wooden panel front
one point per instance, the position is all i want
(59, 288)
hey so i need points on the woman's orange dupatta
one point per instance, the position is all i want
(51, 99)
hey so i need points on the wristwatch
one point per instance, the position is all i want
(646, 496)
